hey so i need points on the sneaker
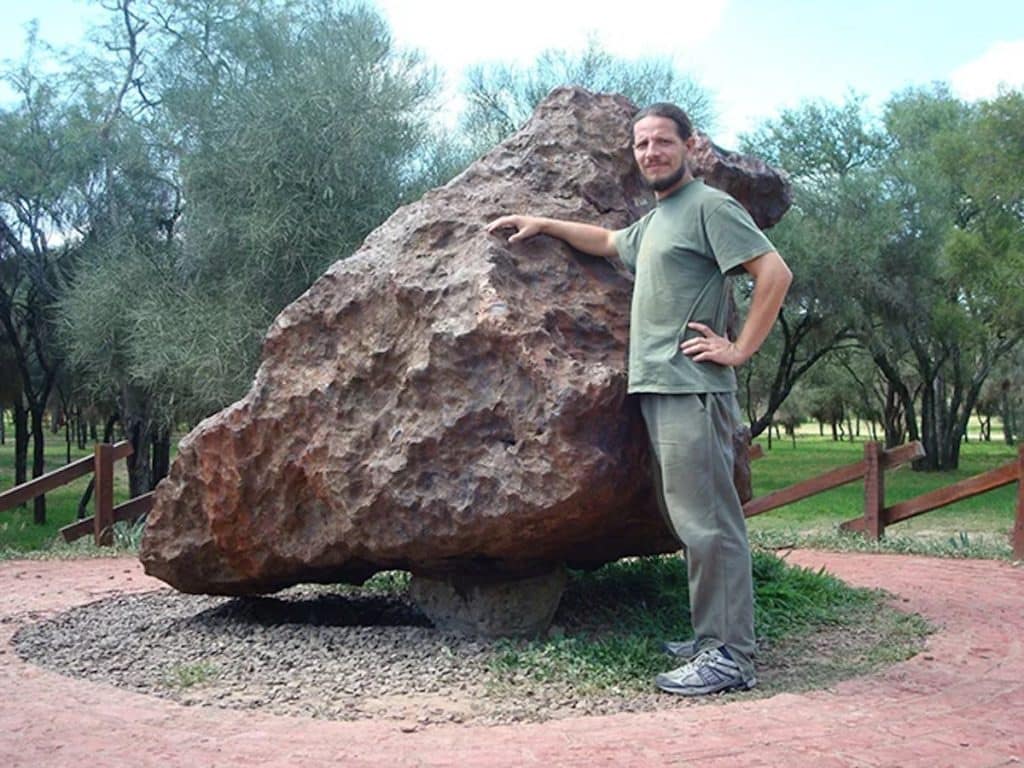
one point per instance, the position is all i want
(684, 649)
(681, 649)
(711, 671)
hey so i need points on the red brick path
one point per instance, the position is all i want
(960, 703)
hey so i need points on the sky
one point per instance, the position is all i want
(756, 57)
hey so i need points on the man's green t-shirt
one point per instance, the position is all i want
(681, 253)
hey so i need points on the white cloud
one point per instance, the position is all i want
(1002, 63)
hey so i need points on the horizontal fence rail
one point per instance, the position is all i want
(128, 512)
(871, 469)
(106, 514)
(889, 459)
(878, 516)
(19, 494)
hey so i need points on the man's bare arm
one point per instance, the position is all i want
(589, 238)
(771, 282)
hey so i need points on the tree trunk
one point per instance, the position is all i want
(108, 436)
(138, 428)
(900, 419)
(21, 436)
(38, 416)
(893, 423)
(81, 435)
(1009, 415)
(945, 415)
(929, 430)
(3, 426)
(161, 455)
(83, 503)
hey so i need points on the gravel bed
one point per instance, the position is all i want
(307, 651)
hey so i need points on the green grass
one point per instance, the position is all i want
(18, 532)
(188, 675)
(985, 520)
(610, 624)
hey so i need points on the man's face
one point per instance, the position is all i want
(660, 153)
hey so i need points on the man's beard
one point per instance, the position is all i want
(660, 185)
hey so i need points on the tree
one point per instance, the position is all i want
(132, 203)
(273, 138)
(831, 154)
(947, 299)
(296, 145)
(10, 397)
(43, 155)
(501, 97)
(1003, 395)
(908, 236)
(298, 148)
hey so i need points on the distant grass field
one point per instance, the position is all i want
(18, 532)
(975, 527)
(784, 465)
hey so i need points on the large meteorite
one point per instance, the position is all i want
(442, 402)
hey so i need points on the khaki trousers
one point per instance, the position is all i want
(691, 439)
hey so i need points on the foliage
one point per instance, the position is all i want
(128, 536)
(281, 134)
(950, 292)
(829, 153)
(956, 544)
(628, 608)
(43, 160)
(178, 182)
(303, 151)
(500, 97)
(187, 675)
(918, 224)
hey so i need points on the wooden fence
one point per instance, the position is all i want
(101, 524)
(876, 514)
(871, 469)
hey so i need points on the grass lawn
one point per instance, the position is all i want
(988, 517)
(18, 532)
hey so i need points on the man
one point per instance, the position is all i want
(681, 367)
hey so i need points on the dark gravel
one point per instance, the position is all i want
(305, 651)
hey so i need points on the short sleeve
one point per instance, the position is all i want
(627, 241)
(734, 237)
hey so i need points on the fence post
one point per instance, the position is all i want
(103, 519)
(874, 491)
(1018, 525)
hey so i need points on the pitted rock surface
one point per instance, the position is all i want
(440, 402)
